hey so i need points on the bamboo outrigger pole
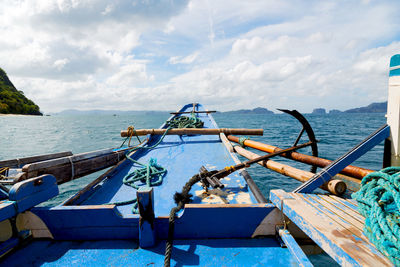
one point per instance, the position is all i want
(334, 186)
(188, 131)
(353, 171)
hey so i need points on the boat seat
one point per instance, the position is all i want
(26, 194)
(334, 224)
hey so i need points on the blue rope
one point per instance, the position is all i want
(379, 202)
(186, 122)
(150, 174)
(242, 139)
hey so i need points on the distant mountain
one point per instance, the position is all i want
(13, 101)
(371, 108)
(334, 111)
(108, 112)
(250, 111)
(319, 111)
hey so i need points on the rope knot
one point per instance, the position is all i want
(130, 130)
(242, 139)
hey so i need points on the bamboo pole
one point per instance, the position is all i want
(336, 187)
(189, 131)
(350, 170)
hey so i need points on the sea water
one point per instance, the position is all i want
(22, 136)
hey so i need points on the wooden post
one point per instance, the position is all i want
(145, 198)
(393, 109)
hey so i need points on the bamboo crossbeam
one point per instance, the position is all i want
(336, 187)
(350, 170)
(192, 131)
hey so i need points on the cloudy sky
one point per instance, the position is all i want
(142, 55)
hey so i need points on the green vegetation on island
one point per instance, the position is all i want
(13, 101)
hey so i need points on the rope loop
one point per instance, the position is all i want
(379, 202)
(186, 122)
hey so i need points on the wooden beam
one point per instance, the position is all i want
(65, 172)
(334, 186)
(19, 162)
(192, 131)
(64, 160)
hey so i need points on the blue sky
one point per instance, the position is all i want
(159, 55)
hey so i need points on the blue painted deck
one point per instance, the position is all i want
(182, 156)
(334, 224)
(211, 252)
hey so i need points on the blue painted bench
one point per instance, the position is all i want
(22, 196)
(333, 223)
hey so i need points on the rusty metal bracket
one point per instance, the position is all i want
(308, 129)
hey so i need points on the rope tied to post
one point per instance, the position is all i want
(379, 202)
(150, 174)
(242, 139)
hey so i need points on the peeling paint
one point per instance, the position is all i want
(218, 196)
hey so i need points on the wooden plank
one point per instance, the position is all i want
(294, 248)
(64, 160)
(338, 218)
(16, 163)
(354, 213)
(348, 202)
(63, 172)
(345, 247)
(191, 131)
(227, 144)
(339, 212)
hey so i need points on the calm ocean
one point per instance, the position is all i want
(22, 136)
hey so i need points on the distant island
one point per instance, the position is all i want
(250, 111)
(13, 101)
(371, 108)
(109, 112)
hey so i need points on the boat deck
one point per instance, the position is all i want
(207, 252)
(182, 156)
(333, 223)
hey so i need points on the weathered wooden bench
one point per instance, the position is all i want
(333, 223)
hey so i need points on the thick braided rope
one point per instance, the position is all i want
(150, 174)
(186, 122)
(180, 199)
(379, 202)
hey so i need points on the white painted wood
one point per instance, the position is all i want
(393, 118)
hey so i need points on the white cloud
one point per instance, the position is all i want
(184, 60)
(293, 54)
